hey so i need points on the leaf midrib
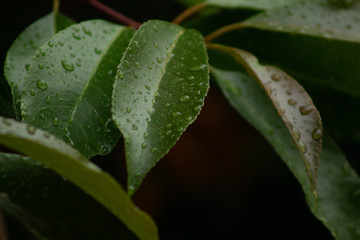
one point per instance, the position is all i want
(104, 53)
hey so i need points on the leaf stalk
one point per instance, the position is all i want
(189, 12)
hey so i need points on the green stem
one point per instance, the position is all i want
(189, 12)
(224, 30)
(56, 4)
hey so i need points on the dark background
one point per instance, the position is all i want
(222, 180)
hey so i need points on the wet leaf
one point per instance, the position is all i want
(23, 48)
(338, 188)
(328, 58)
(70, 164)
(68, 87)
(159, 90)
(45, 202)
(251, 4)
(291, 102)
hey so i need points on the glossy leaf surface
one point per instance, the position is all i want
(252, 4)
(69, 163)
(338, 188)
(68, 87)
(159, 90)
(328, 58)
(24, 47)
(51, 206)
(292, 103)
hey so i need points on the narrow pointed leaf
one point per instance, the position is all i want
(68, 87)
(327, 34)
(69, 163)
(251, 4)
(159, 90)
(46, 207)
(23, 48)
(292, 103)
(338, 188)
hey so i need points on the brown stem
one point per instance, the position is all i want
(3, 228)
(189, 12)
(114, 14)
(56, 4)
(224, 30)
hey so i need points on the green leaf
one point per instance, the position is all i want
(328, 58)
(69, 163)
(338, 188)
(293, 104)
(23, 48)
(159, 90)
(251, 4)
(6, 106)
(51, 206)
(68, 87)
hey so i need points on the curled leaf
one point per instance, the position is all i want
(292, 103)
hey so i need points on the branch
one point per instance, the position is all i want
(114, 14)
(189, 12)
(224, 30)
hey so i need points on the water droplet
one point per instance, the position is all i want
(137, 65)
(103, 150)
(154, 150)
(175, 114)
(86, 31)
(60, 43)
(98, 50)
(145, 135)
(276, 77)
(168, 132)
(148, 120)
(167, 105)
(120, 74)
(184, 98)
(197, 108)
(150, 67)
(346, 169)
(317, 134)
(136, 75)
(144, 145)
(136, 44)
(68, 66)
(42, 116)
(159, 60)
(41, 84)
(50, 44)
(30, 129)
(305, 110)
(46, 134)
(302, 147)
(32, 92)
(76, 35)
(27, 66)
(296, 133)
(292, 102)
(7, 121)
(55, 121)
(147, 87)
(128, 110)
(40, 66)
(198, 68)
(127, 63)
(48, 99)
(135, 127)
(191, 78)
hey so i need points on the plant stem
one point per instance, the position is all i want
(224, 30)
(114, 14)
(3, 228)
(189, 12)
(56, 4)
